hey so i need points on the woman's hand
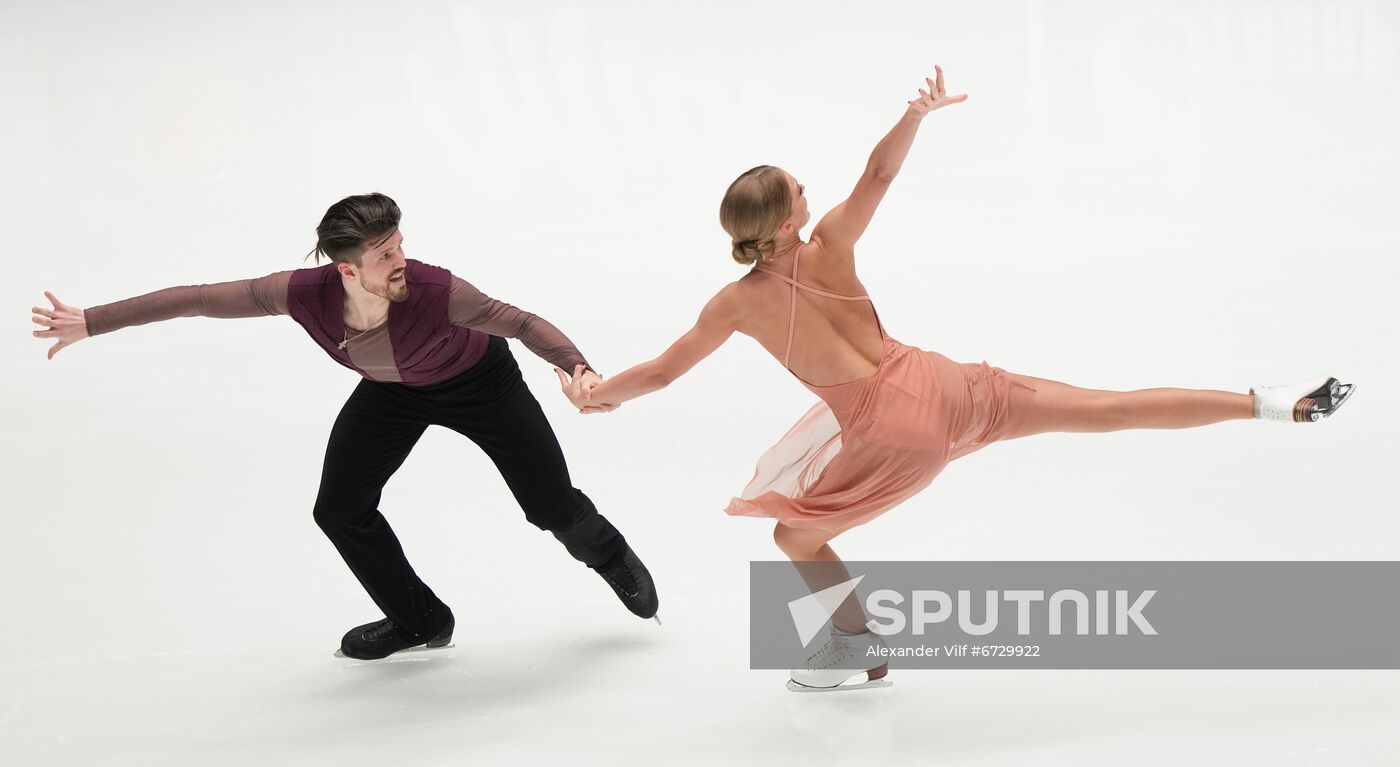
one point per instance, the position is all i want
(64, 322)
(579, 390)
(598, 406)
(589, 383)
(935, 97)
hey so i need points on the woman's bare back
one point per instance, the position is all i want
(834, 341)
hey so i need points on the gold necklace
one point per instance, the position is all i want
(347, 338)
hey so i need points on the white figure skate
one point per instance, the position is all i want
(842, 656)
(1303, 402)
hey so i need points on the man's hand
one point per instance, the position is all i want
(578, 389)
(64, 322)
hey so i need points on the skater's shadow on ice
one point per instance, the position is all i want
(851, 726)
(483, 674)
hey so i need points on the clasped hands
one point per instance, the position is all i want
(579, 390)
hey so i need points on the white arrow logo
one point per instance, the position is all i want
(812, 612)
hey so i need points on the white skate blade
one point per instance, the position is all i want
(868, 685)
(420, 648)
(1340, 394)
(1337, 393)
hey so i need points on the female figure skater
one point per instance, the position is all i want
(891, 416)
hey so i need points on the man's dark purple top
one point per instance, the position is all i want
(439, 332)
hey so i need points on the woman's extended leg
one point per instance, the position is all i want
(1060, 407)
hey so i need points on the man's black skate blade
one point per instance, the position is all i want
(410, 650)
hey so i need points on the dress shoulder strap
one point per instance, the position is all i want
(798, 285)
(792, 304)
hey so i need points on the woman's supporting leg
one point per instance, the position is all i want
(821, 569)
(1060, 407)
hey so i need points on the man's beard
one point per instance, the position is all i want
(394, 291)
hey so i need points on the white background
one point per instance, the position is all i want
(1191, 194)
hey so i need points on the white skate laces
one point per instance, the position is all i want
(841, 657)
(1302, 402)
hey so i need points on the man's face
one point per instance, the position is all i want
(381, 269)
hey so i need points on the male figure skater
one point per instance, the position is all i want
(431, 350)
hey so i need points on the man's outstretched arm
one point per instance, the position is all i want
(260, 297)
(471, 308)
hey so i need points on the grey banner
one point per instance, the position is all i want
(1089, 615)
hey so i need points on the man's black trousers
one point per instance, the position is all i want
(491, 406)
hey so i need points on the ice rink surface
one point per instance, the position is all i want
(1194, 194)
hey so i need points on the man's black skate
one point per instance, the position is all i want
(630, 580)
(373, 641)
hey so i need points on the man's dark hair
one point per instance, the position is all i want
(354, 223)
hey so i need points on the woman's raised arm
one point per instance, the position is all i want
(838, 230)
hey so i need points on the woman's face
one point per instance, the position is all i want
(800, 215)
